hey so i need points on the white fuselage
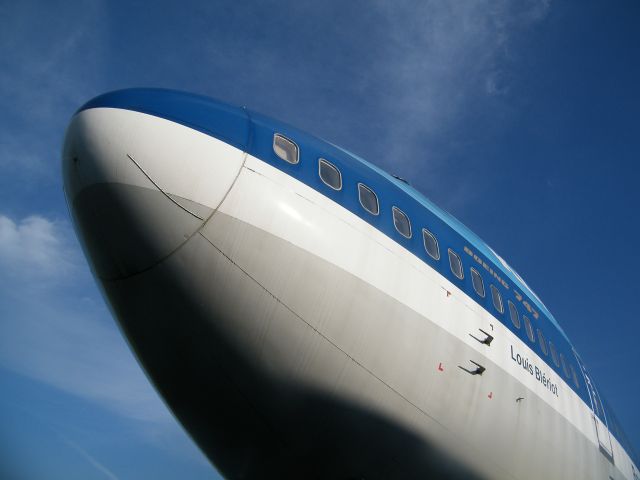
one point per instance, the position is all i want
(308, 296)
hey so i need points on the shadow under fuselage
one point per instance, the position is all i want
(249, 423)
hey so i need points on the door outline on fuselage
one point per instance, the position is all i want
(602, 430)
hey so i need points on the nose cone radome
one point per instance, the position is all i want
(138, 185)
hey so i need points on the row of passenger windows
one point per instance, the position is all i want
(478, 286)
(558, 360)
(288, 151)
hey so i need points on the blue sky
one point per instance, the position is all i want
(520, 118)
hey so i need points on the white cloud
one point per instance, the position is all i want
(37, 248)
(446, 55)
(446, 62)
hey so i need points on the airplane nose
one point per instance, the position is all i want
(138, 186)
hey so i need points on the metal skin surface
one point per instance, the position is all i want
(289, 337)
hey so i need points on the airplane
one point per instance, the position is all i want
(304, 314)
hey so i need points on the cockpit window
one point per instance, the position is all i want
(368, 199)
(455, 264)
(401, 222)
(329, 174)
(286, 149)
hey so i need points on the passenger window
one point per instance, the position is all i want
(575, 376)
(565, 369)
(329, 174)
(543, 343)
(368, 199)
(528, 328)
(497, 299)
(455, 264)
(286, 149)
(401, 221)
(478, 285)
(554, 354)
(513, 312)
(431, 244)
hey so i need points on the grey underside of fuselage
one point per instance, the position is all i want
(281, 365)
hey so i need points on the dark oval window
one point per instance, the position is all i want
(543, 343)
(554, 354)
(368, 199)
(329, 174)
(478, 284)
(286, 149)
(401, 222)
(575, 376)
(431, 244)
(513, 313)
(497, 299)
(565, 368)
(455, 264)
(528, 328)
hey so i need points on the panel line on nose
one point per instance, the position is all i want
(162, 191)
(196, 232)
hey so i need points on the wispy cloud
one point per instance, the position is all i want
(56, 329)
(76, 349)
(89, 458)
(443, 59)
(43, 82)
(445, 62)
(401, 95)
(37, 248)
